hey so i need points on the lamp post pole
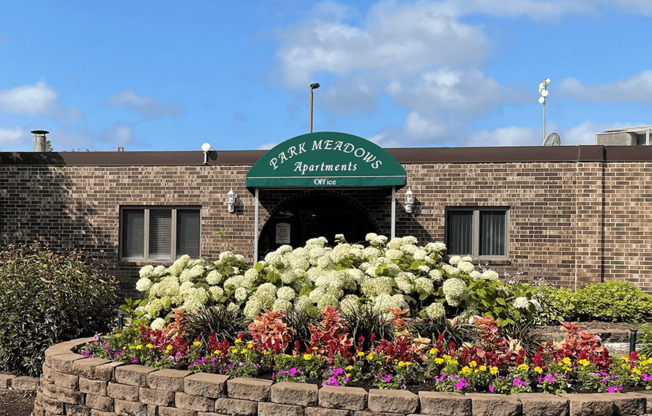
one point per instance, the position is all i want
(543, 92)
(312, 88)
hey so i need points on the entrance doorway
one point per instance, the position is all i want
(299, 220)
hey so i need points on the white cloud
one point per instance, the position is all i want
(637, 88)
(120, 134)
(37, 100)
(394, 39)
(506, 136)
(421, 128)
(148, 107)
(267, 146)
(12, 137)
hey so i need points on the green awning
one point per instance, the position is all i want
(326, 159)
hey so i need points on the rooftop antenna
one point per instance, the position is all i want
(543, 91)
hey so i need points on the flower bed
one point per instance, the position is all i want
(74, 384)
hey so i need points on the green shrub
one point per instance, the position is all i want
(557, 304)
(46, 298)
(613, 301)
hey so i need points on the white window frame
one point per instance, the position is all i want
(146, 220)
(476, 230)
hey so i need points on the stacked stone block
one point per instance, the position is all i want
(74, 385)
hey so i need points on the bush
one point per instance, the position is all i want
(47, 298)
(613, 301)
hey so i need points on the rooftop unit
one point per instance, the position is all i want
(626, 136)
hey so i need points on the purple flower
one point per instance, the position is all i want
(134, 360)
(549, 378)
(612, 389)
(491, 388)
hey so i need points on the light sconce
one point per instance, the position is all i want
(409, 201)
(230, 201)
(206, 148)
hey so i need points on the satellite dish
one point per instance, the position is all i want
(552, 139)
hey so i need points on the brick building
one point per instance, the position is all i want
(568, 214)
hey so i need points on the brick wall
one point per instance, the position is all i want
(563, 215)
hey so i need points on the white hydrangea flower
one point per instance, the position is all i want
(465, 266)
(326, 301)
(288, 276)
(299, 261)
(376, 286)
(186, 276)
(240, 294)
(475, 275)
(281, 305)
(216, 292)
(324, 263)
(146, 271)
(453, 260)
(370, 236)
(349, 304)
(252, 308)
(286, 293)
(274, 258)
(232, 307)
(194, 299)
(424, 286)
(420, 254)
(159, 270)
(490, 275)
(316, 294)
(302, 302)
(158, 324)
(178, 266)
(454, 291)
(435, 247)
(410, 249)
(318, 242)
(214, 277)
(168, 286)
(186, 287)
(521, 303)
(404, 283)
(284, 249)
(197, 271)
(356, 274)
(226, 256)
(424, 269)
(394, 254)
(143, 284)
(410, 239)
(435, 310)
(450, 270)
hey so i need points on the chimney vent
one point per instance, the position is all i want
(39, 140)
(120, 149)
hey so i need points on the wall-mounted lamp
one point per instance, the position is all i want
(206, 147)
(409, 201)
(230, 201)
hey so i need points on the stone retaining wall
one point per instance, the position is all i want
(74, 385)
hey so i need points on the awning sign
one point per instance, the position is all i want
(326, 159)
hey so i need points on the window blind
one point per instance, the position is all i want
(160, 234)
(188, 236)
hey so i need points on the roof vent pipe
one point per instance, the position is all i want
(39, 140)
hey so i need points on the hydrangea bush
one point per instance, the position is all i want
(384, 274)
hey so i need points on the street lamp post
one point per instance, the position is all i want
(543, 91)
(312, 88)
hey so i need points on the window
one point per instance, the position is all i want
(159, 233)
(479, 232)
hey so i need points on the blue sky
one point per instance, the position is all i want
(171, 75)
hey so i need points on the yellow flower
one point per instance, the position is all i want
(404, 363)
(348, 375)
(482, 368)
(538, 370)
(307, 357)
(168, 348)
(566, 361)
(243, 351)
(118, 335)
(433, 351)
(238, 341)
(370, 356)
(348, 368)
(250, 345)
(584, 362)
(625, 366)
(315, 348)
(439, 361)
(473, 364)
(465, 370)
(217, 352)
(360, 354)
(636, 371)
(523, 367)
(494, 370)
(150, 346)
(625, 358)
(234, 350)
(196, 343)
